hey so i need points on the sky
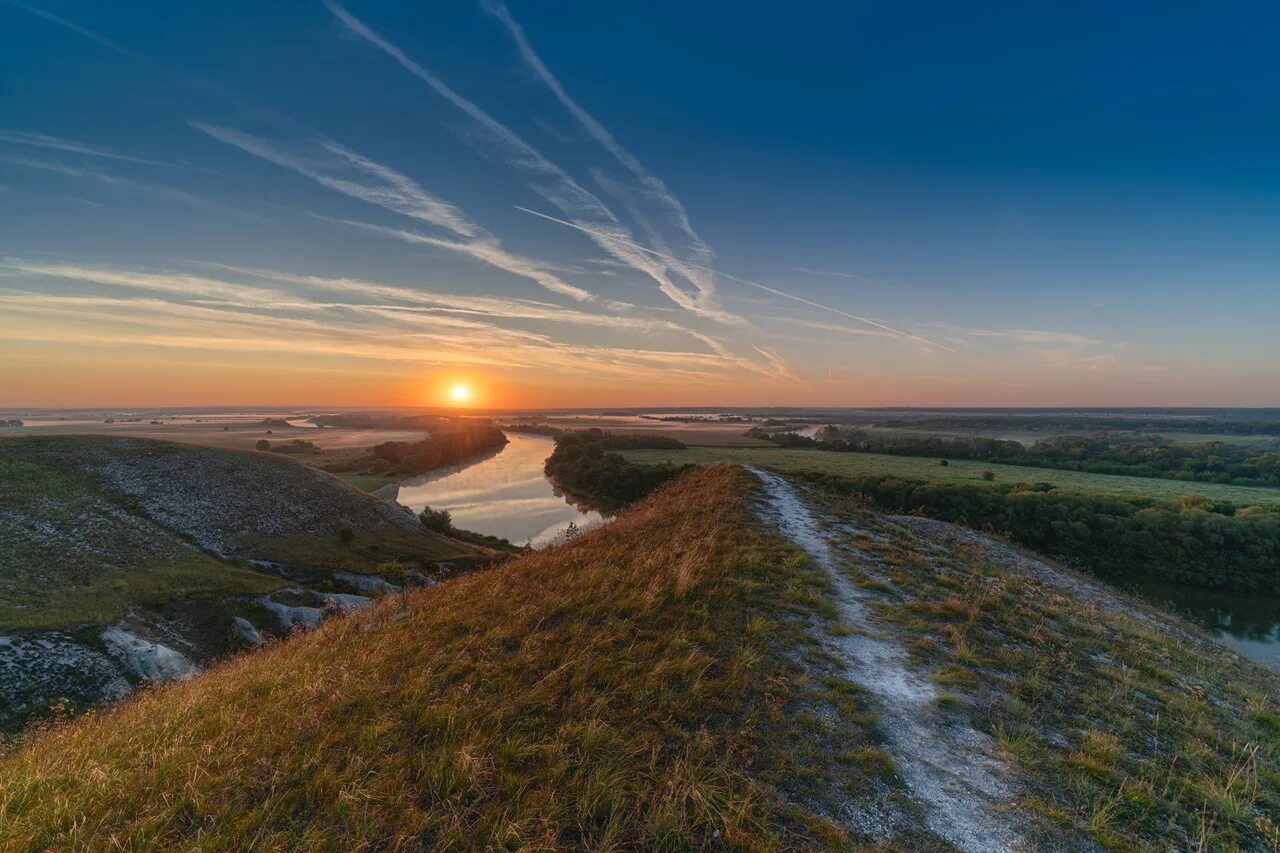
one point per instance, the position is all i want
(367, 202)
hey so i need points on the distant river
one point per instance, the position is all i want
(503, 495)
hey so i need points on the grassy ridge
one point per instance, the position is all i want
(1123, 726)
(956, 471)
(71, 552)
(91, 526)
(611, 693)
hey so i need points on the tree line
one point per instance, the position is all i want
(1213, 544)
(584, 466)
(1146, 456)
(450, 442)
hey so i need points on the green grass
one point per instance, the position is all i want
(107, 599)
(619, 692)
(75, 555)
(956, 471)
(1125, 733)
(76, 551)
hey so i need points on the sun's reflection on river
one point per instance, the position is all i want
(504, 495)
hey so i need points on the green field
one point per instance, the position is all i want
(957, 471)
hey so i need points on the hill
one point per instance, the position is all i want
(126, 558)
(735, 662)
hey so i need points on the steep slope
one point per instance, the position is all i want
(123, 559)
(688, 677)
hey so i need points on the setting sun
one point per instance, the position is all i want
(460, 392)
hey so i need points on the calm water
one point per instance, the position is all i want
(503, 495)
(1250, 624)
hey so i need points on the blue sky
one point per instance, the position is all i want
(843, 204)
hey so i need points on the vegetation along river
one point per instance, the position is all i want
(505, 495)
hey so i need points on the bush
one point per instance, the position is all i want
(346, 535)
(438, 520)
(263, 444)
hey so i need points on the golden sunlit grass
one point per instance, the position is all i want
(619, 692)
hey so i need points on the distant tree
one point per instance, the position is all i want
(944, 463)
(988, 475)
(263, 444)
(438, 520)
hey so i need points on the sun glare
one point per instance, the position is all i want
(460, 392)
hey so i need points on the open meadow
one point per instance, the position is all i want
(955, 471)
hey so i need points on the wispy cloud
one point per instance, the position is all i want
(781, 293)
(828, 273)
(75, 28)
(550, 181)
(53, 143)
(340, 169)
(839, 328)
(1034, 336)
(43, 165)
(168, 282)
(120, 182)
(131, 321)
(651, 186)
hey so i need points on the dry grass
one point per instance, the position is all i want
(618, 692)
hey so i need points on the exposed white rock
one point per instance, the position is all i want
(146, 659)
(345, 603)
(289, 615)
(37, 669)
(243, 630)
(366, 583)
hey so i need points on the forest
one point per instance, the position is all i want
(585, 465)
(1212, 544)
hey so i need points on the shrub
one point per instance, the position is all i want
(438, 520)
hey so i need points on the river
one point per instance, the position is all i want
(505, 494)
(1249, 624)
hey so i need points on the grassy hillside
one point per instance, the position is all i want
(607, 693)
(91, 526)
(675, 681)
(956, 471)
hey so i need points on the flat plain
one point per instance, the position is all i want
(955, 471)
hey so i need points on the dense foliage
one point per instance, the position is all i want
(533, 429)
(1213, 544)
(1219, 421)
(297, 445)
(449, 443)
(583, 466)
(374, 420)
(1146, 456)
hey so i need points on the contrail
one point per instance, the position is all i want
(755, 284)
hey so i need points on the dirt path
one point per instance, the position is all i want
(948, 766)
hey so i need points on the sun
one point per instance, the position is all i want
(460, 392)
